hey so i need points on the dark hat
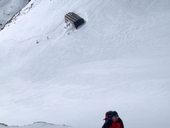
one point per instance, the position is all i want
(111, 114)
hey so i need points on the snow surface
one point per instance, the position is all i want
(119, 60)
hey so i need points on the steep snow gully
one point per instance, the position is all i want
(119, 60)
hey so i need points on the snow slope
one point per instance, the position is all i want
(119, 60)
(8, 8)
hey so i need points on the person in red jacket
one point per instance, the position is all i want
(112, 120)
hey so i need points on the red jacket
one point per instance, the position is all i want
(117, 124)
(110, 124)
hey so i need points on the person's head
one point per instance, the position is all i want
(111, 115)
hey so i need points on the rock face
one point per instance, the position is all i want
(8, 8)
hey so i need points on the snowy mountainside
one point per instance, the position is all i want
(119, 60)
(8, 8)
(37, 125)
